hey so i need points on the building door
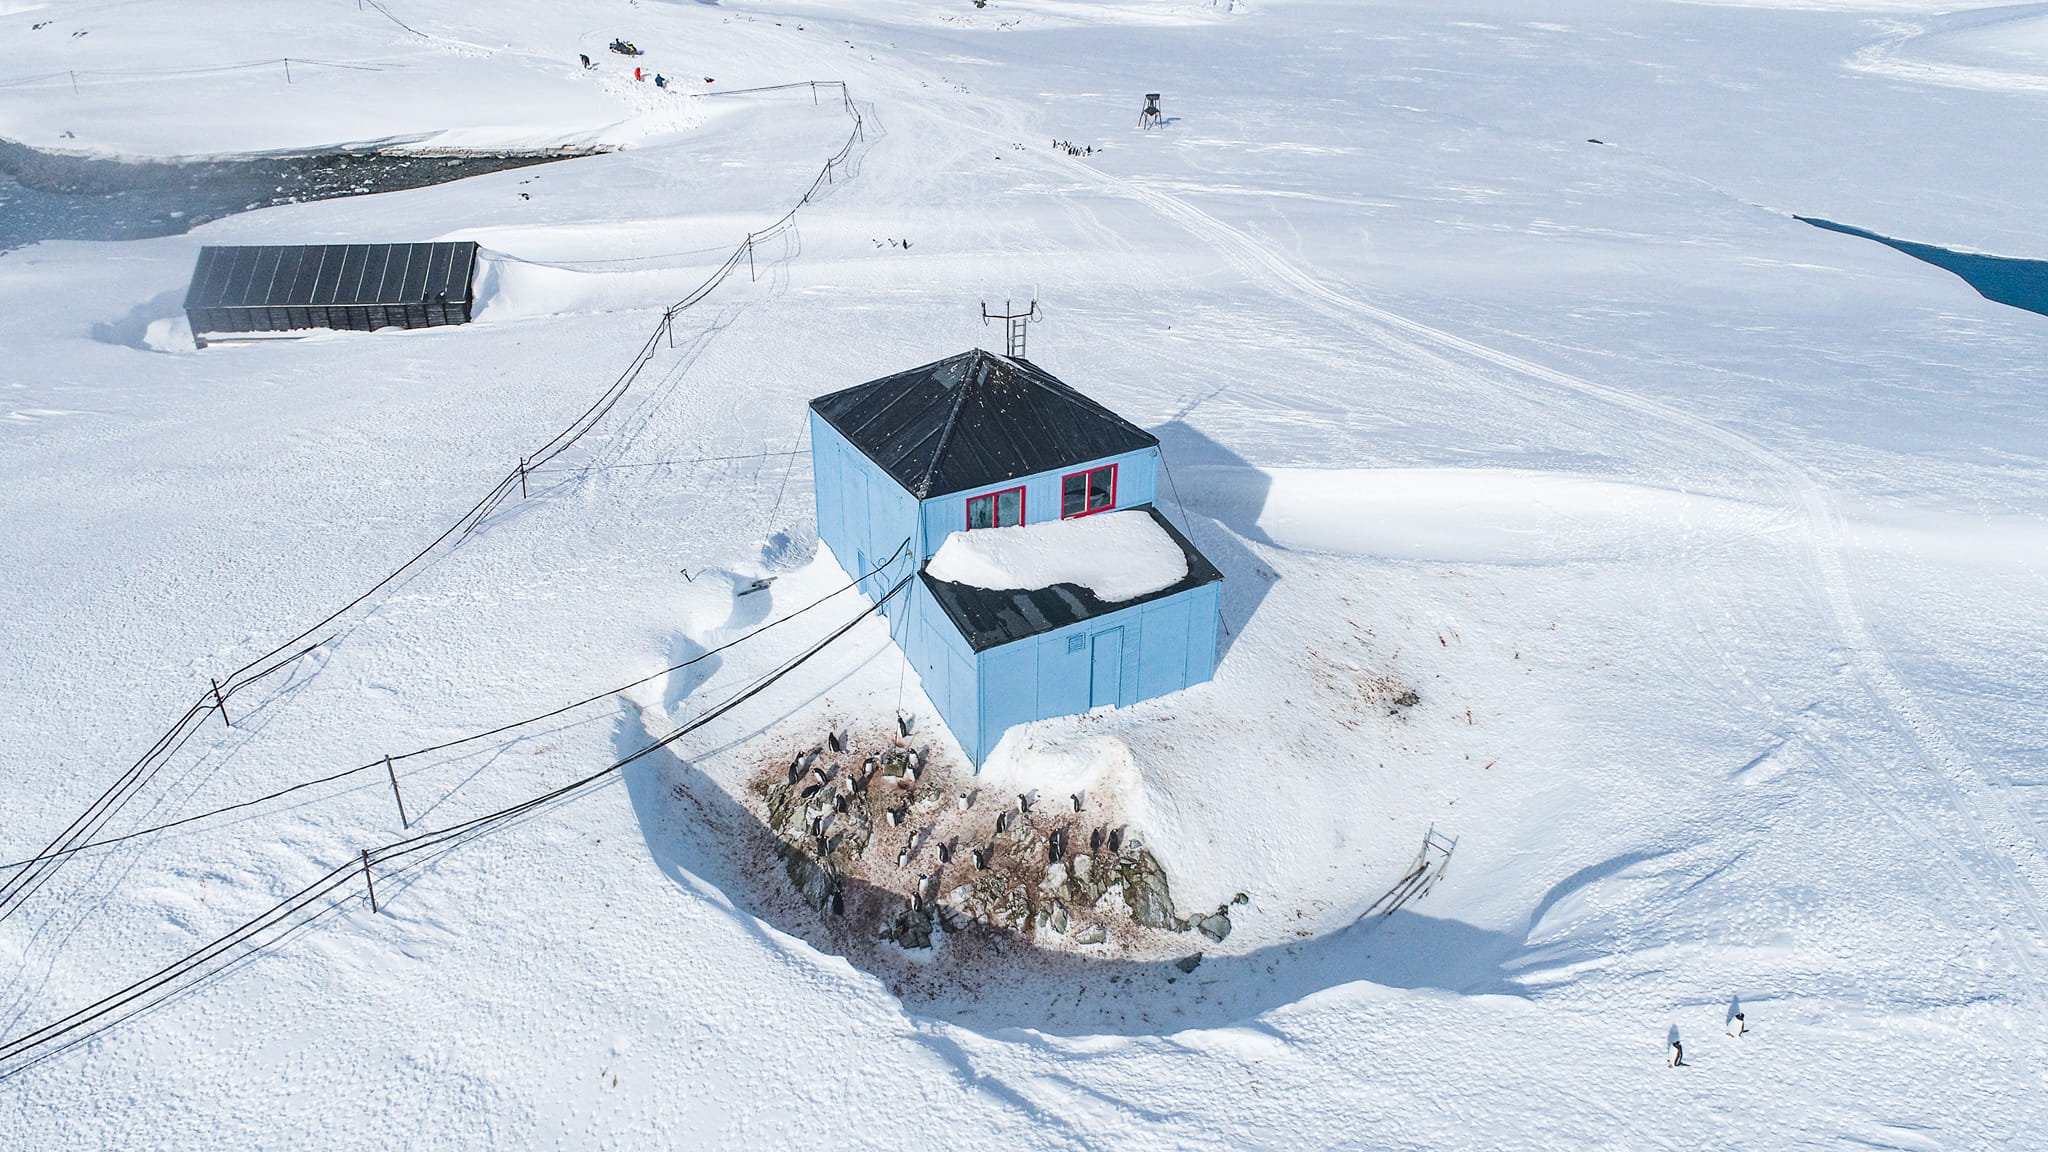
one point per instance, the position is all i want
(1106, 668)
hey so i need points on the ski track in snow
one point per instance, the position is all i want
(790, 1039)
(2012, 850)
(2013, 847)
(1903, 51)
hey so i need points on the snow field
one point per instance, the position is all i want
(1705, 541)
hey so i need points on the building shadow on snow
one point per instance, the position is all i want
(991, 980)
(1216, 497)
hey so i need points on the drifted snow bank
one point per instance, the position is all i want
(1116, 555)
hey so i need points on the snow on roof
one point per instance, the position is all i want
(1116, 555)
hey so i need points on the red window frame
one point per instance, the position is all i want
(1085, 510)
(995, 509)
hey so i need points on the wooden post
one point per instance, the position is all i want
(220, 702)
(368, 881)
(393, 773)
(522, 477)
(287, 69)
(74, 82)
(750, 257)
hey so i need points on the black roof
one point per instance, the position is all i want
(989, 617)
(279, 275)
(973, 419)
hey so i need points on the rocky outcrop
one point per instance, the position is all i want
(926, 855)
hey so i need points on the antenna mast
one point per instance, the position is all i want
(1013, 325)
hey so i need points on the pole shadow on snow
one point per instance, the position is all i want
(991, 980)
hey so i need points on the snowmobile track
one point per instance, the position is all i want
(2011, 849)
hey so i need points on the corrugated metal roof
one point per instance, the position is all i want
(969, 420)
(285, 275)
(989, 617)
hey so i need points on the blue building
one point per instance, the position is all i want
(984, 441)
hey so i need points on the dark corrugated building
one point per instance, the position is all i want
(358, 287)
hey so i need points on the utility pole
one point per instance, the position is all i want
(1013, 325)
(393, 773)
(220, 702)
(367, 881)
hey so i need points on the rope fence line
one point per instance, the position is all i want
(23, 884)
(271, 926)
(584, 469)
(385, 762)
(79, 77)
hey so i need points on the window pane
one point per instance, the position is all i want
(1073, 495)
(981, 512)
(1010, 508)
(1100, 484)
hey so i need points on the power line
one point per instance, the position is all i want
(444, 746)
(17, 889)
(594, 467)
(59, 79)
(181, 975)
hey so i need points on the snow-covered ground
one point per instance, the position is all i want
(1712, 548)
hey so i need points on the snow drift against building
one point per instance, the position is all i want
(1117, 556)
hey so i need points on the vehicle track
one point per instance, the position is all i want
(2010, 850)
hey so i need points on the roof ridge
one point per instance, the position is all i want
(924, 483)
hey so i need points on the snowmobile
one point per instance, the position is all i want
(627, 48)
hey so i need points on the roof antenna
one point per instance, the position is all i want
(1013, 325)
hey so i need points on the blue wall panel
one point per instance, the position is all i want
(1163, 647)
(1009, 693)
(861, 511)
(945, 664)
(1063, 672)
(1168, 645)
(1205, 619)
(863, 514)
(1137, 482)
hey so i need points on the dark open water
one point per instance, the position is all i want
(48, 197)
(2004, 279)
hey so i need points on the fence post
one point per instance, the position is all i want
(368, 882)
(74, 82)
(287, 69)
(221, 704)
(750, 257)
(393, 773)
(522, 477)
